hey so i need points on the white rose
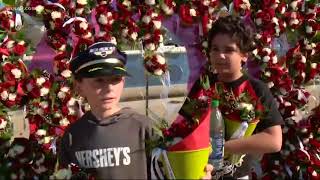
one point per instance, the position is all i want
(147, 36)
(274, 60)
(294, 5)
(211, 10)
(82, 2)
(309, 29)
(206, 2)
(166, 9)
(209, 25)
(66, 73)
(61, 95)
(11, 23)
(4, 95)
(275, 20)
(88, 35)
(4, 57)
(79, 10)
(62, 174)
(266, 59)
(126, 3)
(153, 15)
(64, 122)
(21, 43)
(205, 44)
(3, 124)
(247, 106)
(277, 29)
(268, 74)
(40, 81)
(44, 91)
(71, 102)
(255, 52)
(62, 47)
(44, 104)
(193, 12)
(39, 9)
(150, 2)
(103, 19)
(268, 50)
(71, 111)
(84, 25)
(286, 104)
(303, 59)
(134, 35)
(56, 15)
(57, 115)
(41, 132)
(65, 89)
(39, 111)
(146, 19)
(151, 46)
(270, 84)
(313, 65)
(294, 21)
(16, 72)
(15, 150)
(160, 59)
(10, 44)
(158, 72)
(47, 139)
(102, 33)
(109, 14)
(157, 24)
(12, 97)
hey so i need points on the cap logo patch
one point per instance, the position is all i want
(102, 51)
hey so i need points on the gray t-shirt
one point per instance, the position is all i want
(113, 148)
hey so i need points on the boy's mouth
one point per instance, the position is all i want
(109, 99)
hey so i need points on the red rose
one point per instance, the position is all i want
(19, 49)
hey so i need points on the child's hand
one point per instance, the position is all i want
(208, 169)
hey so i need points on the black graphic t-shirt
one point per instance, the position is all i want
(113, 148)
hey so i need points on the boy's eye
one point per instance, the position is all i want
(214, 49)
(229, 50)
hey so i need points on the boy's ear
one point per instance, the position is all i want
(245, 57)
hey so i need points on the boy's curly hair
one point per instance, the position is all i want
(236, 29)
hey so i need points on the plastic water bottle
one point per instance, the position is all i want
(217, 136)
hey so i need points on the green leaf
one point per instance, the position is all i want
(205, 82)
(8, 2)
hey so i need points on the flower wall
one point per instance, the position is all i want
(287, 58)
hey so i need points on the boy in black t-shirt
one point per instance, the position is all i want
(108, 142)
(229, 47)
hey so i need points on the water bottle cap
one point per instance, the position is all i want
(215, 103)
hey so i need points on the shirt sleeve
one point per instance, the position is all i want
(272, 116)
(63, 156)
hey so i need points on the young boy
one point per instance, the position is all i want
(229, 43)
(108, 142)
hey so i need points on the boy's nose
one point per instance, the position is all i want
(221, 55)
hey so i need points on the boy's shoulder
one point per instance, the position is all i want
(134, 115)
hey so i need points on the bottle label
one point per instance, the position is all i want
(217, 146)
